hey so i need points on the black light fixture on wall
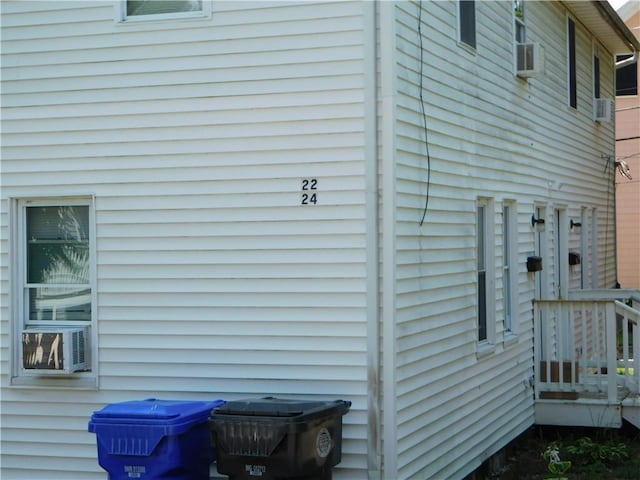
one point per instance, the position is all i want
(536, 221)
(573, 224)
(534, 263)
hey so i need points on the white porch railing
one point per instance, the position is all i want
(588, 346)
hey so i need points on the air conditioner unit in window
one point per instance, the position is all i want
(529, 59)
(603, 110)
(54, 351)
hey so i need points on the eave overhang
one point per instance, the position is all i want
(599, 17)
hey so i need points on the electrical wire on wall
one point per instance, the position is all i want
(610, 176)
(424, 113)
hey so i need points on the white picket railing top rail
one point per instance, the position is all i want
(605, 294)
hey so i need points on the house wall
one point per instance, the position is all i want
(489, 134)
(628, 190)
(214, 282)
(193, 137)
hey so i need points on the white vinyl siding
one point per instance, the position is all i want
(213, 281)
(489, 138)
(193, 138)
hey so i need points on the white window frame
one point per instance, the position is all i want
(461, 27)
(509, 267)
(19, 308)
(121, 14)
(485, 242)
(572, 67)
(519, 22)
(561, 251)
(596, 82)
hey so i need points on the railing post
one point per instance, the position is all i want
(636, 356)
(612, 363)
(536, 348)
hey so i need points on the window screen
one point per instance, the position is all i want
(468, 22)
(157, 7)
(571, 63)
(627, 78)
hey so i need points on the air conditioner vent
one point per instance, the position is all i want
(529, 59)
(54, 351)
(603, 110)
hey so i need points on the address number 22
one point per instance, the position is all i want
(309, 195)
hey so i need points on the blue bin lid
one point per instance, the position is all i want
(153, 411)
(137, 427)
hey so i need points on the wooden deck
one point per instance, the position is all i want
(586, 371)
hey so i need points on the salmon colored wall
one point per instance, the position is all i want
(628, 191)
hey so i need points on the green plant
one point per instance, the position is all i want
(590, 452)
(556, 466)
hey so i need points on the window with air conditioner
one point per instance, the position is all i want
(53, 293)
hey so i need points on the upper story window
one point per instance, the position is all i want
(520, 30)
(467, 22)
(133, 10)
(596, 74)
(626, 78)
(53, 298)
(571, 63)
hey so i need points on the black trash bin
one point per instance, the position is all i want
(273, 438)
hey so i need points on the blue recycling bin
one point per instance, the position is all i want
(155, 439)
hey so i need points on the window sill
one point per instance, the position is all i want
(485, 349)
(468, 48)
(67, 383)
(142, 19)
(510, 338)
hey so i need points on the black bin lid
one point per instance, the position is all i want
(282, 407)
